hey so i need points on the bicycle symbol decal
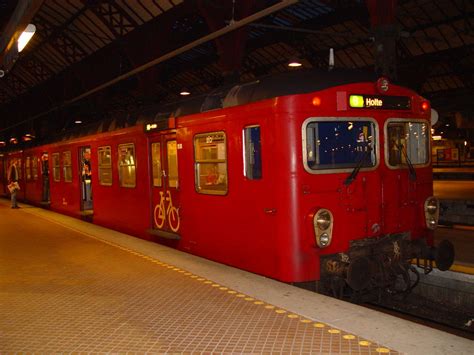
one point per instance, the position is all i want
(171, 213)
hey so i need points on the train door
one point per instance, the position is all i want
(2, 175)
(45, 177)
(85, 170)
(165, 186)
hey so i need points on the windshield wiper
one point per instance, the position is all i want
(411, 169)
(356, 170)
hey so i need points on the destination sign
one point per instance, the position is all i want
(155, 126)
(380, 102)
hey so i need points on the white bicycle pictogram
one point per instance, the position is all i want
(160, 213)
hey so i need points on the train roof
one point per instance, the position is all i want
(289, 83)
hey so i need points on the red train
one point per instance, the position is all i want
(308, 176)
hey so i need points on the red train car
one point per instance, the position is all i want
(303, 177)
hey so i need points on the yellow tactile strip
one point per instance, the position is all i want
(67, 293)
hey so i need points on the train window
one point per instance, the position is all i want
(210, 157)
(127, 165)
(252, 153)
(172, 163)
(407, 142)
(34, 163)
(20, 169)
(56, 167)
(156, 164)
(67, 166)
(340, 144)
(28, 168)
(105, 165)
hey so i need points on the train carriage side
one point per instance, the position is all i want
(120, 181)
(226, 203)
(64, 178)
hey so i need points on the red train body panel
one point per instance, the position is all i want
(265, 221)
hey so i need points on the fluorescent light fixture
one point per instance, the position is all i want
(26, 36)
(184, 92)
(294, 63)
(77, 121)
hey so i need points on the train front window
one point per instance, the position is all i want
(407, 142)
(340, 144)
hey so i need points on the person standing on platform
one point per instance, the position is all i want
(12, 180)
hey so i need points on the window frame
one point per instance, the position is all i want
(100, 166)
(134, 165)
(205, 191)
(168, 163)
(376, 144)
(247, 165)
(34, 167)
(28, 175)
(56, 168)
(67, 167)
(386, 146)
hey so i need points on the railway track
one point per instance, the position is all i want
(437, 315)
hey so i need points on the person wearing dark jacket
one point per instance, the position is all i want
(13, 178)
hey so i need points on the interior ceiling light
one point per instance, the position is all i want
(26, 36)
(294, 63)
(28, 137)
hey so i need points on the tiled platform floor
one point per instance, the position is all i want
(62, 291)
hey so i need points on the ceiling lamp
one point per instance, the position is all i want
(184, 92)
(13, 140)
(294, 63)
(3, 144)
(28, 137)
(77, 121)
(26, 36)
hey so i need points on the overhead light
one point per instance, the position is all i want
(294, 63)
(13, 140)
(77, 121)
(184, 92)
(3, 144)
(26, 36)
(28, 137)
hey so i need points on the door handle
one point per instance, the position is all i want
(271, 211)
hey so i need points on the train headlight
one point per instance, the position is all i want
(323, 219)
(322, 223)
(431, 212)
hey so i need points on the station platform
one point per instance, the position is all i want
(68, 286)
